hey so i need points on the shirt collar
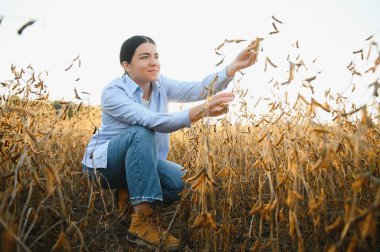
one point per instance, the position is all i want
(133, 86)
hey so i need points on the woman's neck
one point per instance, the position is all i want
(147, 89)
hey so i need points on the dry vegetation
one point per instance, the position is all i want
(279, 182)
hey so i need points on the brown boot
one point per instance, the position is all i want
(145, 230)
(124, 206)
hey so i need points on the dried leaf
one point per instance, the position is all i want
(22, 28)
(277, 20)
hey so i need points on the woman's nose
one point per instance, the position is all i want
(153, 62)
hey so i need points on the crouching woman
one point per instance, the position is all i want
(130, 148)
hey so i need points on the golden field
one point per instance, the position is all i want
(280, 182)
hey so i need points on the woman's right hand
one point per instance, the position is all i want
(216, 106)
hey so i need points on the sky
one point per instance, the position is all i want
(186, 34)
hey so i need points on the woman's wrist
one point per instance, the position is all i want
(196, 113)
(231, 69)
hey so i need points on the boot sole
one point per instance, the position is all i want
(136, 240)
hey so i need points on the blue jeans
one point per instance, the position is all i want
(132, 163)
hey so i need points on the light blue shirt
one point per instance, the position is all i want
(121, 103)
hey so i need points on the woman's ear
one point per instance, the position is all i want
(125, 66)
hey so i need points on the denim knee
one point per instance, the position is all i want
(143, 133)
(178, 185)
(172, 194)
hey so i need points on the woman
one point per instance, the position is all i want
(130, 148)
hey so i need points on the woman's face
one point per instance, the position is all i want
(145, 65)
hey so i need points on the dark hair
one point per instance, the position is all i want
(129, 46)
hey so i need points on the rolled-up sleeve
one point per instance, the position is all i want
(189, 91)
(117, 104)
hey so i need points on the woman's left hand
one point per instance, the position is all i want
(244, 59)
